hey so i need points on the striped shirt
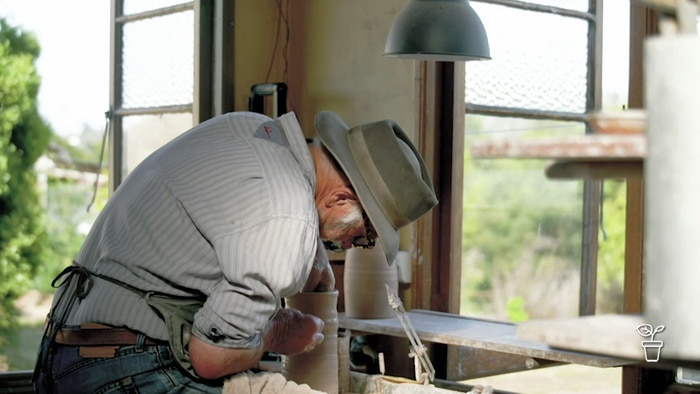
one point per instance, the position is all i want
(223, 210)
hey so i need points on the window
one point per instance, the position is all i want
(155, 50)
(531, 244)
(535, 247)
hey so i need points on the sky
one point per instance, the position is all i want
(74, 63)
(74, 60)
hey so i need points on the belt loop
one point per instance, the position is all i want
(140, 340)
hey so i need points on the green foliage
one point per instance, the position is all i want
(39, 231)
(67, 224)
(21, 42)
(23, 138)
(517, 224)
(522, 235)
(516, 310)
(611, 251)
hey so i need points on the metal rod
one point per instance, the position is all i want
(591, 188)
(116, 139)
(523, 113)
(417, 347)
(170, 109)
(155, 13)
(522, 5)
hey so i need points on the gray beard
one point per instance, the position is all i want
(343, 224)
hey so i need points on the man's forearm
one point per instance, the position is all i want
(288, 332)
(213, 362)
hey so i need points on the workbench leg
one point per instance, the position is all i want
(640, 380)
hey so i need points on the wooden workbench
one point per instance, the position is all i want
(456, 330)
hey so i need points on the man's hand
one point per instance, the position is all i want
(321, 278)
(292, 332)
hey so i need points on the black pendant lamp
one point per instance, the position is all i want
(438, 30)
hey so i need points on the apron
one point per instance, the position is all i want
(177, 314)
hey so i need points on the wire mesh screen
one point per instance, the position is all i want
(143, 134)
(539, 61)
(158, 61)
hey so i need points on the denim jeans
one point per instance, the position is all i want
(133, 369)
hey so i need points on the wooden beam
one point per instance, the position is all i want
(441, 143)
(427, 129)
(638, 379)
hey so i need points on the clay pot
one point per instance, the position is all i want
(319, 367)
(366, 272)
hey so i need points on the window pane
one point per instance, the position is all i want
(521, 248)
(615, 56)
(145, 133)
(158, 66)
(539, 61)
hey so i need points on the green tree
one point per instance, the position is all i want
(611, 244)
(24, 137)
(521, 236)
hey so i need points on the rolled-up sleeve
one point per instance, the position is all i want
(260, 265)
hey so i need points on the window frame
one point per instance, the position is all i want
(213, 70)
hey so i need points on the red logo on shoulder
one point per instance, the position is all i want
(268, 131)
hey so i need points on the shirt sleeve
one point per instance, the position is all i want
(260, 265)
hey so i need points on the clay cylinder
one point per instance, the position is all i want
(319, 367)
(366, 272)
(672, 193)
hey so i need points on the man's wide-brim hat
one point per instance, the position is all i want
(386, 171)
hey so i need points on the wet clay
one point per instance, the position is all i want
(319, 367)
(366, 272)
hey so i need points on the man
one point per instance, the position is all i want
(178, 284)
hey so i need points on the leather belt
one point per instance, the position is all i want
(101, 335)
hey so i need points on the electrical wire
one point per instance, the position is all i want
(274, 47)
(108, 117)
(281, 17)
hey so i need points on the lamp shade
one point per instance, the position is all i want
(439, 30)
